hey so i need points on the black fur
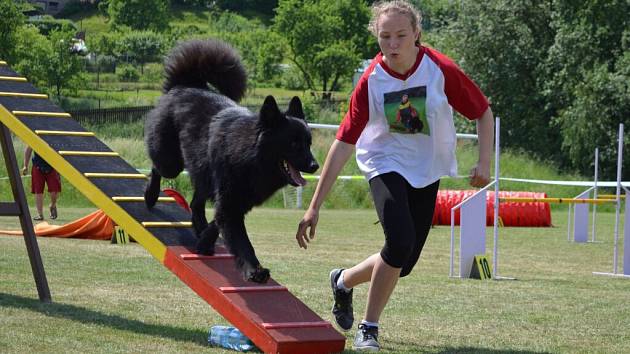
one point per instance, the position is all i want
(234, 157)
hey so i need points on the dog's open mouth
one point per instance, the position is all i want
(294, 177)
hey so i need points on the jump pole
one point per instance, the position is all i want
(626, 272)
(497, 145)
(595, 174)
(497, 167)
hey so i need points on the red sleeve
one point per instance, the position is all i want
(462, 93)
(358, 113)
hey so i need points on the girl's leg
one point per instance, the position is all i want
(384, 279)
(390, 194)
(360, 273)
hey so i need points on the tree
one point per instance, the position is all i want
(102, 46)
(325, 38)
(32, 51)
(502, 45)
(261, 49)
(12, 21)
(264, 7)
(138, 14)
(587, 79)
(556, 73)
(64, 68)
(141, 47)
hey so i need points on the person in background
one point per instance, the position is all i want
(403, 168)
(42, 174)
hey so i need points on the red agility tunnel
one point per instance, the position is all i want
(528, 214)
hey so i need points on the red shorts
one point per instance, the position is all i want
(52, 179)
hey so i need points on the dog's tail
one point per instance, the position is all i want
(196, 63)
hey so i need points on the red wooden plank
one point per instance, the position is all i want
(243, 289)
(278, 325)
(249, 311)
(196, 257)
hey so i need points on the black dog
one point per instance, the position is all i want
(234, 157)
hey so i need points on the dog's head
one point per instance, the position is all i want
(287, 138)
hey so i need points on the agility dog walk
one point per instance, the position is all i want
(268, 314)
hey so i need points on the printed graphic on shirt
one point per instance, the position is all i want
(406, 111)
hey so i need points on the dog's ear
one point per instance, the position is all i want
(295, 108)
(270, 114)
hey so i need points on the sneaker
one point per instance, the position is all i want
(342, 308)
(366, 339)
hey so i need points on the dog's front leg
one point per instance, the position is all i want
(205, 244)
(235, 235)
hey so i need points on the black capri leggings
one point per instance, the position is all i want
(406, 214)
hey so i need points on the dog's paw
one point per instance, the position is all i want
(204, 248)
(259, 275)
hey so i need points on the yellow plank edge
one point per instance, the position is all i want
(62, 132)
(2, 62)
(94, 194)
(13, 78)
(167, 224)
(115, 175)
(23, 95)
(88, 153)
(141, 199)
(556, 200)
(42, 114)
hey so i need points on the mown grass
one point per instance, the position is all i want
(111, 298)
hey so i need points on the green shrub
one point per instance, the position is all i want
(153, 74)
(127, 73)
(292, 79)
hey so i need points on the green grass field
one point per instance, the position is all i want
(112, 298)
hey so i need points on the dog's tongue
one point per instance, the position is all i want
(296, 176)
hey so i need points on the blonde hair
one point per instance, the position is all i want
(398, 6)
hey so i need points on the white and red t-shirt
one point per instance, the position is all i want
(404, 123)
